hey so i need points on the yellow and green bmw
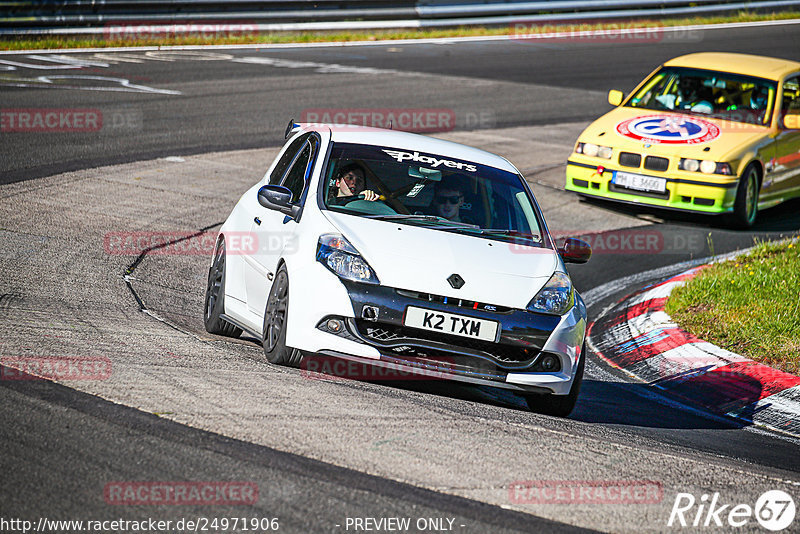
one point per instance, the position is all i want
(714, 133)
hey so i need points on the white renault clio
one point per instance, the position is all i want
(404, 252)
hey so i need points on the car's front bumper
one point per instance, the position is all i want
(513, 361)
(698, 192)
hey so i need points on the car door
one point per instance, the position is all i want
(786, 164)
(275, 232)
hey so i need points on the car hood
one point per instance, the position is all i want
(421, 259)
(720, 142)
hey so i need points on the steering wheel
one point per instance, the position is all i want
(361, 196)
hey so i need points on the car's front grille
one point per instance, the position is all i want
(654, 163)
(461, 303)
(629, 159)
(387, 333)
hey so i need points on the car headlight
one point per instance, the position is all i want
(594, 151)
(337, 254)
(691, 165)
(556, 297)
(706, 166)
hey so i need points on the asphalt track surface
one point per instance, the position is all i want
(61, 445)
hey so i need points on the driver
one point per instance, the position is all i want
(689, 95)
(692, 95)
(351, 181)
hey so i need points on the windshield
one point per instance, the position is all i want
(719, 94)
(430, 190)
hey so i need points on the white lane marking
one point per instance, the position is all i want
(69, 60)
(38, 66)
(324, 68)
(125, 85)
(115, 58)
(178, 55)
(393, 42)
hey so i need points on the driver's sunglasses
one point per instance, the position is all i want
(352, 177)
(454, 199)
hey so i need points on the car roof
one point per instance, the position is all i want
(747, 64)
(365, 135)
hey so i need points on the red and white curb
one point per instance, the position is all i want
(637, 336)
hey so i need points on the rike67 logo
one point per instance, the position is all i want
(774, 510)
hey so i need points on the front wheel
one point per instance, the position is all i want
(275, 316)
(559, 405)
(215, 297)
(745, 207)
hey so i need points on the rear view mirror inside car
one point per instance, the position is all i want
(422, 173)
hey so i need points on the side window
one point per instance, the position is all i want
(286, 159)
(790, 103)
(791, 95)
(296, 177)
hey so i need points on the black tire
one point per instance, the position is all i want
(559, 405)
(275, 314)
(215, 297)
(745, 207)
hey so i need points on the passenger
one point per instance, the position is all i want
(351, 181)
(449, 197)
(758, 98)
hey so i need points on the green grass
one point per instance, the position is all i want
(749, 305)
(52, 42)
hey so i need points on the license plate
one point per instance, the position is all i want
(639, 182)
(450, 323)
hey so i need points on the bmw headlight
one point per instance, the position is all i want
(594, 151)
(706, 166)
(691, 165)
(337, 254)
(556, 297)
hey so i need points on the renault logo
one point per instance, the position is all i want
(456, 281)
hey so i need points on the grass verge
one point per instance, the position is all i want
(749, 305)
(57, 42)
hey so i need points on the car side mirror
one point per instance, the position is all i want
(791, 120)
(615, 97)
(575, 251)
(278, 198)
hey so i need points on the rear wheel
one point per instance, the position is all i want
(215, 297)
(559, 405)
(275, 316)
(745, 207)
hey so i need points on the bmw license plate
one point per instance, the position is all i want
(639, 182)
(450, 323)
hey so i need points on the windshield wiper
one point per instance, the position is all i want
(425, 218)
(513, 233)
(401, 217)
